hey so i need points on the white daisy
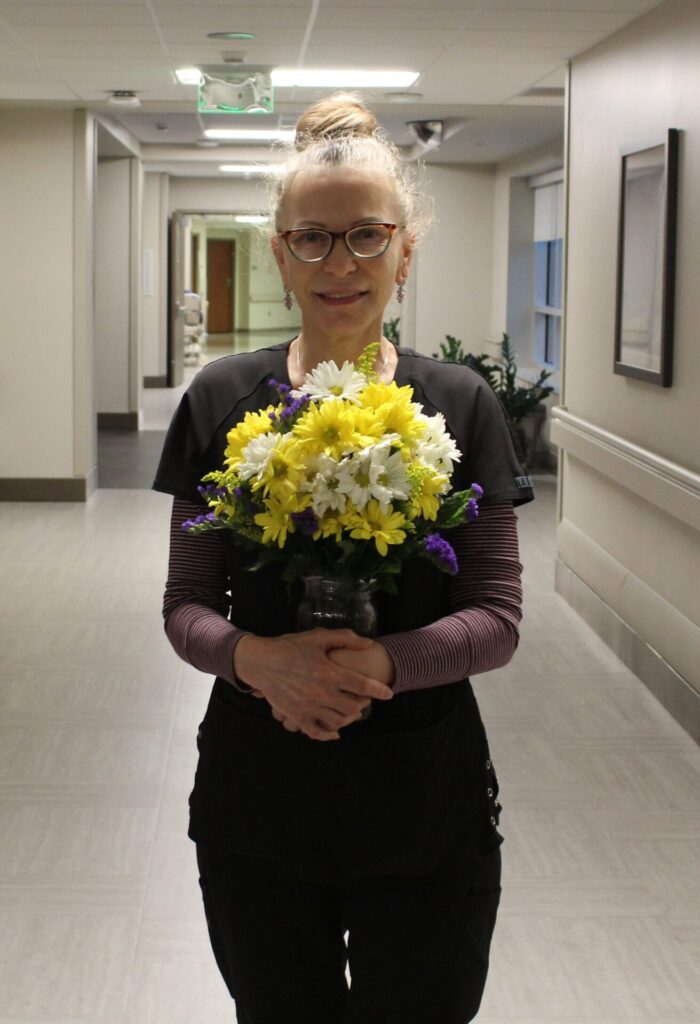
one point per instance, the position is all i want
(437, 447)
(255, 455)
(327, 381)
(374, 473)
(323, 485)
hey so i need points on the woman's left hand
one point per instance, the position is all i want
(374, 661)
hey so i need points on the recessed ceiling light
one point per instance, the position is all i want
(251, 134)
(251, 168)
(189, 76)
(251, 218)
(231, 35)
(343, 78)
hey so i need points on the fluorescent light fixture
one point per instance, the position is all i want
(189, 76)
(251, 168)
(251, 218)
(251, 134)
(343, 78)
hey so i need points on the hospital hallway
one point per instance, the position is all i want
(101, 913)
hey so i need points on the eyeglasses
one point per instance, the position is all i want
(311, 245)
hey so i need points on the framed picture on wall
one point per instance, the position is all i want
(646, 259)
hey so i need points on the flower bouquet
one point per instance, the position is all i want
(344, 478)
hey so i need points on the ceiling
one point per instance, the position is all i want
(494, 70)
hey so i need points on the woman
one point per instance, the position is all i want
(310, 823)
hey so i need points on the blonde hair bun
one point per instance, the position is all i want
(342, 115)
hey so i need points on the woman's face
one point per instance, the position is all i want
(337, 199)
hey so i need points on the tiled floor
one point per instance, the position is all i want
(100, 917)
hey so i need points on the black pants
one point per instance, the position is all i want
(418, 948)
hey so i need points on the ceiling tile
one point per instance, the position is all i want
(405, 57)
(75, 50)
(566, 20)
(423, 17)
(87, 34)
(233, 19)
(631, 7)
(11, 90)
(75, 14)
(395, 37)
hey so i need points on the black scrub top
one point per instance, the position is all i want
(413, 786)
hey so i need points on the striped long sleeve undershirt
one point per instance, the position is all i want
(479, 634)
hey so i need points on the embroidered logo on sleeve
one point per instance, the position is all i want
(523, 481)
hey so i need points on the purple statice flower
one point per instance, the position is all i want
(306, 521)
(441, 553)
(205, 517)
(238, 492)
(478, 490)
(472, 510)
(293, 407)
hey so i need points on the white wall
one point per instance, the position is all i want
(630, 481)
(112, 280)
(451, 273)
(37, 208)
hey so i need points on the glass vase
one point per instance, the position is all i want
(338, 604)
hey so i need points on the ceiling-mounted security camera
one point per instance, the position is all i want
(428, 134)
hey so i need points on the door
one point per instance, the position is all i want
(220, 257)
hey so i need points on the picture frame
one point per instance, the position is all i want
(646, 259)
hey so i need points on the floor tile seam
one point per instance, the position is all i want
(130, 987)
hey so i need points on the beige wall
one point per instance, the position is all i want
(112, 297)
(450, 280)
(218, 196)
(155, 242)
(38, 208)
(630, 490)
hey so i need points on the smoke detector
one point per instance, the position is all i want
(124, 98)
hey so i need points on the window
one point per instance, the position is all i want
(549, 257)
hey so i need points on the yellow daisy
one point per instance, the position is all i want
(283, 472)
(334, 427)
(395, 409)
(275, 522)
(426, 488)
(383, 528)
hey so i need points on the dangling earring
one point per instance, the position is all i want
(287, 298)
(400, 293)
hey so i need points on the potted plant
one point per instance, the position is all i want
(518, 401)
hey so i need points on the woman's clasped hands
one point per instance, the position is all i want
(316, 681)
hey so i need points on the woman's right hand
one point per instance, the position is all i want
(302, 684)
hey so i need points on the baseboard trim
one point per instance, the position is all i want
(117, 421)
(679, 698)
(30, 489)
(155, 382)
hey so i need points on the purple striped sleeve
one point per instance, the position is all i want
(485, 597)
(196, 602)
